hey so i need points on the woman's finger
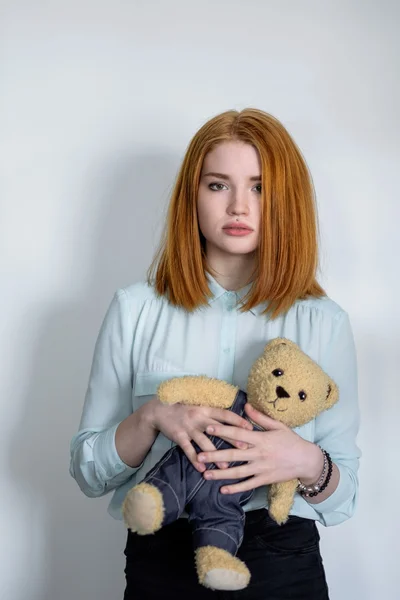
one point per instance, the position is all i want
(243, 486)
(206, 444)
(238, 444)
(233, 433)
(229, 455)
(202, 441)
(227, 416)
(263, 420)
(230, 473)
(188, 448)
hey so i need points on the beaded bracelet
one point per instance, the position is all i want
(322, 483)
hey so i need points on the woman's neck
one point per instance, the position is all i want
(232, 272)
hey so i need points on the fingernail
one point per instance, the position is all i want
(201, 467)
(210, 429)
(201, 458)
(208, 475)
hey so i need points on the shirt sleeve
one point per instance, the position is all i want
(95, 463)
(336, 428)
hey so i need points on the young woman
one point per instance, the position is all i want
(237, 267)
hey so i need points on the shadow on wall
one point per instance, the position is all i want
(75, 545)
(362, 546)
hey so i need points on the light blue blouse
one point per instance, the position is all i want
(144, 340)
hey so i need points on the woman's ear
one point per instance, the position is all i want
(332, 395)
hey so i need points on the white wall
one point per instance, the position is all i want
(98, 101)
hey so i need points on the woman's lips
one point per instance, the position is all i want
(237, 231)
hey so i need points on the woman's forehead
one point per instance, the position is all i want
(233, 158)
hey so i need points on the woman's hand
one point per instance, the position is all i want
(272, 456)
(184, 424)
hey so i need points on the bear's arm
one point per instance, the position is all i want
(197, 391)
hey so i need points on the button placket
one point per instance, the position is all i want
(228, 337)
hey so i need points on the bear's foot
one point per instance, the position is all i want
(217, 569)
(143, 509)
(280, 500)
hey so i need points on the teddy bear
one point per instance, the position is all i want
(283, 383)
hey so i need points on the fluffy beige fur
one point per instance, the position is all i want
(197, 391)
(143, 509)
(299, 374)
(216, 567)
(275, 381)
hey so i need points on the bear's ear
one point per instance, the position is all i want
(332, 395)
(279, 342)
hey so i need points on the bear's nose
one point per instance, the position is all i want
(281, 393)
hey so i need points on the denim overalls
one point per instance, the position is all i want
(216, 519)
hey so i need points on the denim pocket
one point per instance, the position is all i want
(296, 536)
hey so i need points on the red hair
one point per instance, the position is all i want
(287, 255)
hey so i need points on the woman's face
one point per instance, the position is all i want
(229, 199)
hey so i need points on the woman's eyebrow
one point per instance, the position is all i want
(223, 176)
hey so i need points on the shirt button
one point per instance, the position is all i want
(230, 300)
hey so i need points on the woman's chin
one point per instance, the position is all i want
(232, 248)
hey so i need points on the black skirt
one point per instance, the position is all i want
(284, 561)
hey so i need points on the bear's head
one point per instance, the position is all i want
(287, 385)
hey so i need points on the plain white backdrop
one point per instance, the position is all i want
(98, 101)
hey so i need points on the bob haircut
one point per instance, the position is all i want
(287, 254)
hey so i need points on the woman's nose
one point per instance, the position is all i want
(239, 204)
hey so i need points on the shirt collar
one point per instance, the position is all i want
(217, 291)
(215, 288)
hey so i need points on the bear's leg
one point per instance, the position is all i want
(143, 509)
(218, 526)
(280, 500)
(218, 569)
(160, 498)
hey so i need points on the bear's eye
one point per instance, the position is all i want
(302, 395)
(277, 372)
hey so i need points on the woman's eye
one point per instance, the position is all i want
(258, 188)
(217, 187)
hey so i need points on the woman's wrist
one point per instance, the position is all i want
(149, 414)
(313, 465)
(134, 436)
(314, 488)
